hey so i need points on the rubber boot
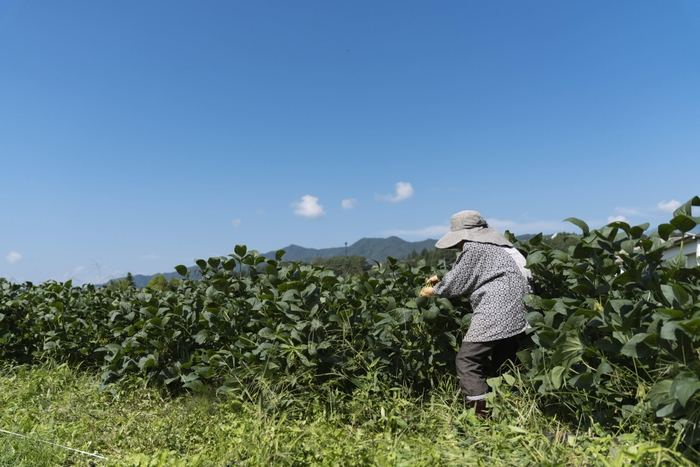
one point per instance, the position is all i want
(479, 407)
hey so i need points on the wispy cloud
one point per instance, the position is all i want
(404, 190)
(13, 257)
(617, 219)
(668, 207)
(308, 207)
(349, 203)
(236, 223)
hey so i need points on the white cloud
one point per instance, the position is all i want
(308, 207)
(349, 203)
(13, 257)
(617, 219)
(668, 207)
(404, 190)
(236, 223)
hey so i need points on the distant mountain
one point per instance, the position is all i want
(141, 280)
(377, 249)
(371, 248)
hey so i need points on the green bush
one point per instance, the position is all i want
(616, 331)
(281, 322)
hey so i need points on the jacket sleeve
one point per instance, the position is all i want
(456, 281)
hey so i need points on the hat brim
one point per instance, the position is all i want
(479, 234)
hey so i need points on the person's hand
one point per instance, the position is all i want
(427, 292)
(432, 281)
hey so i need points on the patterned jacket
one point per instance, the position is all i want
(495, 284)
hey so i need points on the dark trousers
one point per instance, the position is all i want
(473, 366)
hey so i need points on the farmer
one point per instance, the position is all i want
(492, 275)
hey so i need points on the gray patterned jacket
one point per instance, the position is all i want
(491, 277)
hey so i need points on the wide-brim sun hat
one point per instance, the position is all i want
(470, 226)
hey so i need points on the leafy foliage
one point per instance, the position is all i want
(343, 265)
(159, 282)
(280, 322)
(434, 257)
(616, 332)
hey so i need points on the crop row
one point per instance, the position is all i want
(280, 321)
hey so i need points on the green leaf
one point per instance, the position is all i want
(114, 348)
(603, 369)
(691, 327)
(147, 362)
(628, 246)
(676, 295)
(495, 382)
(637, 231)
(580, 224)
(535, 257)
(181, 269)
(240, 250)
(638, 346)
(668, 410)
(568, 349)
(536, 240)
(431, 313)
(201, 337)
(676, 314)
(557, 376)
(683, 387)
(665, 230)
(196, 385)
(202, 264)
(510, 379)
(687, 208)
(659, 392)
(584, 380)
(668, 330)
(677, 261)
(684, 223)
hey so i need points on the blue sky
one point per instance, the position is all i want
(135, 136)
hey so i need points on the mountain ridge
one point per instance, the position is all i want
(374, 249)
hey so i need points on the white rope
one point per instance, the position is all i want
(54, 444)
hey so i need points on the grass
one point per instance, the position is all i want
(136, 426)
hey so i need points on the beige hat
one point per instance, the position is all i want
(470, 226)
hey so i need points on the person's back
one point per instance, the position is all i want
(489, 277)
